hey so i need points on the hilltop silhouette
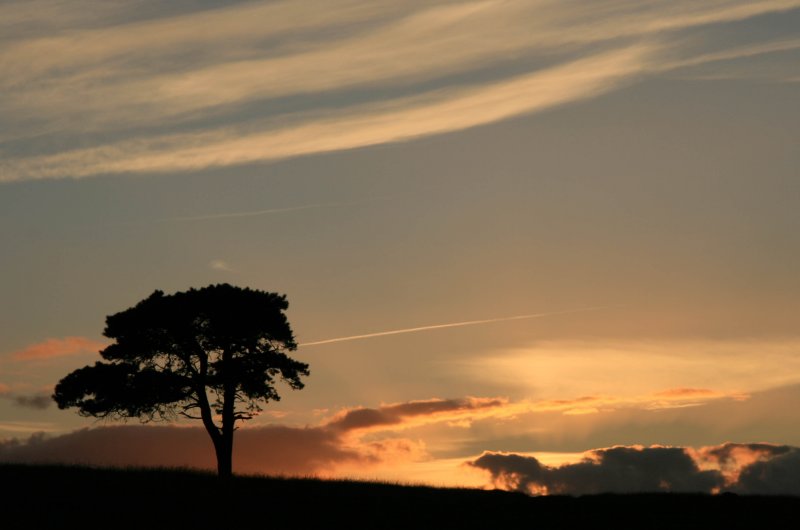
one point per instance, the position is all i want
(63, 497)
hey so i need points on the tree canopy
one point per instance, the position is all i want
(212, 354)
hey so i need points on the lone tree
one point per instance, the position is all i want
(212, 354)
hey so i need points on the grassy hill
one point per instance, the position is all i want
(37, 497)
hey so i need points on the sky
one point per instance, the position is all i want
(525, 244)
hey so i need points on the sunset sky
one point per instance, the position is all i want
(621, 177)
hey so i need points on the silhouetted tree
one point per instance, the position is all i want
(216, 350)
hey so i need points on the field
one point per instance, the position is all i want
(60, 496)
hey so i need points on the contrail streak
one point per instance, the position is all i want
(252, 213)
(451, 325)
(255, 213)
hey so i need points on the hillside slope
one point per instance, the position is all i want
(57, 497)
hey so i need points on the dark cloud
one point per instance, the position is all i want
(273, 449)
(730, 454)
(396, 414)
(32, 401)
(779, 475)
(748, 468)
(613, 470)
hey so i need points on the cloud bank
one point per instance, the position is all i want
(338, 445)
(384, 441)
(111, 89)
(357, 440)
(742, 468)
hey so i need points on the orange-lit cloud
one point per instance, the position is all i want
(62, 347)
(732, 458)
(677, 370)
(671, 398)
(336, 446)
(683, 397)
(685, 392)
(26, 427)
(745, 468)
(415, 413)
(350, 442)
(462, 413)
(272, 449)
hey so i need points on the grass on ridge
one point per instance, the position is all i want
(51, 496)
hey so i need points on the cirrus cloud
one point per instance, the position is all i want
(263, 81)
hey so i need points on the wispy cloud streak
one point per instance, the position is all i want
(442, 111)
(450, 325)
(157, 94)
(58, 347)
(685, 366)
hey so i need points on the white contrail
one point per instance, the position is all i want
(450, 325)
(254, 213)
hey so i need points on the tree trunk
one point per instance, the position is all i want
(223, 446)
(224, 450)
(222, 438)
